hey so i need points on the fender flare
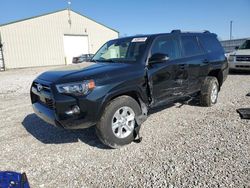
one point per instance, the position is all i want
(142, 101)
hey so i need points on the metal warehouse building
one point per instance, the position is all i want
(50, 39)
(229, 45)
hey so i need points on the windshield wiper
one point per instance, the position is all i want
(106, 60)
(93, 60)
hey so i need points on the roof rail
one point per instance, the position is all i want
(179, 31)
(206, 31)
(176, 31)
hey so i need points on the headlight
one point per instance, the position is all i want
(76, 88)
(231, 58)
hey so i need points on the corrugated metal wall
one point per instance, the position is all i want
(229, 45)
(39, 41)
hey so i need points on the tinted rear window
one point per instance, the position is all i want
(210, 43)
(190, 46)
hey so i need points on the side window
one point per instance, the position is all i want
(190, 46)
(166, 45)
(210, 43)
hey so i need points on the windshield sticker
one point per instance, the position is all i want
(141, 39)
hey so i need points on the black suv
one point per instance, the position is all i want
(127, 77)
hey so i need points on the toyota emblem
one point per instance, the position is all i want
(39, 87)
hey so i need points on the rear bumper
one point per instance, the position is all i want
(238, 65)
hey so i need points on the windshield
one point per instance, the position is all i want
(121, 50)
(245, 45)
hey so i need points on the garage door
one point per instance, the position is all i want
(75, 45)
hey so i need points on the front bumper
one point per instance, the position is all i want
(45, 114)
(239, 65)
(50, 117)
(52, 108)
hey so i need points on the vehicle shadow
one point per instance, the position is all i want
(193, 102)
(49, 134)
(178, 104)
(160, 108)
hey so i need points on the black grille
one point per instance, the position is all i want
(242, 58)
(243, 66)
(41, 96)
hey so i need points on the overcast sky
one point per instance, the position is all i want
(132, 17)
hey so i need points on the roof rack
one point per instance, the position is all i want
(179, 31)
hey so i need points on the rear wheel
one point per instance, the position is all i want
(117, 124)
(209, 91)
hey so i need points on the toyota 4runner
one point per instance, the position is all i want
(127, 77)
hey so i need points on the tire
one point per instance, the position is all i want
(123, 107)
(209, 91)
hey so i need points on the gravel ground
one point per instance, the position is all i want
(189, 146)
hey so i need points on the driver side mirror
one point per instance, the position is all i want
(158, 58)
(237, 47)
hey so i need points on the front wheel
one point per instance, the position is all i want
(117, 124)
(209, 91)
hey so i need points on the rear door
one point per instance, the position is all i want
(214, 51)
(168, 79)
(196, 60)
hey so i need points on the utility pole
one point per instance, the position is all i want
(231, 30)
(69, 4)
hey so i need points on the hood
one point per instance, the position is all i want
(242, 52)
(83, 71)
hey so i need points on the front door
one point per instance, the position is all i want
(169, 79)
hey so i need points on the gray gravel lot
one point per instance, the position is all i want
(190, 146)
